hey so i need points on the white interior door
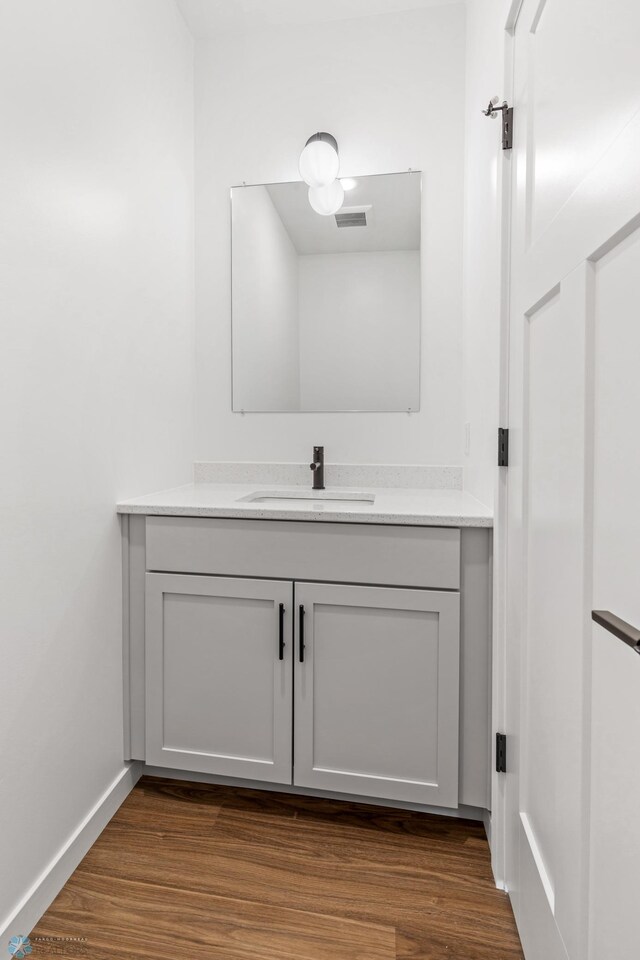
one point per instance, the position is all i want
(615, 757)
(572, 489)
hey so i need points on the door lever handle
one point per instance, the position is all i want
(618, 627)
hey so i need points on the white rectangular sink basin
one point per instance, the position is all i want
(309, 499)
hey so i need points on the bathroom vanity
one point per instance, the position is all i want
(338, 643)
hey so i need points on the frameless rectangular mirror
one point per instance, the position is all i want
(327, 309)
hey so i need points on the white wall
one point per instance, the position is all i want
(484, 168)
(95, 380)
(265, 304)
(359, 330)
(391, 89)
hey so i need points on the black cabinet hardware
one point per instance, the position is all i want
(619, 628)
(501, 753)
(281, 633)
(301, 633)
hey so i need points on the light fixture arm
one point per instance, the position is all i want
(507, 120)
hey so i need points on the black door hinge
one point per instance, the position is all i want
(501, 753)
(503, 446)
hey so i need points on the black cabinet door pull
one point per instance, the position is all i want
(281, 633)
(301, 632)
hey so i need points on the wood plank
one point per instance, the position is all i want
(251, 875)
(170, 811)
(251, 861)
(151, 920)
(462, 911)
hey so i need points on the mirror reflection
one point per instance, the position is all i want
(326, 309)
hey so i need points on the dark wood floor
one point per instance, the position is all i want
(193, 871)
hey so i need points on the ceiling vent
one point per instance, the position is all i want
(351, 219)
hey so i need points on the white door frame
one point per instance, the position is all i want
(499, 783)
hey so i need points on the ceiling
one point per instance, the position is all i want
(210, 18)
(392, 203)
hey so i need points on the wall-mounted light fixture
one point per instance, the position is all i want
(327, 200)
(319, 161)
(319, 167)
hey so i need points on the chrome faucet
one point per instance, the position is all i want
(318, 468)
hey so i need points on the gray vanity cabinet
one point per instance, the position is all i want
(377, 692)
(388, 699)
(219, 675)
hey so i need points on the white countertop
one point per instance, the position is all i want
(437, 508)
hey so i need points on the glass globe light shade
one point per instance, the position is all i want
(319, 163)
(327, 200)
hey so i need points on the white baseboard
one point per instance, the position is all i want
(52, 879)
(488, 829)
(486, 819)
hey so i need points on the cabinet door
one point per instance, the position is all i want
(377, 692)
(218, 679)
